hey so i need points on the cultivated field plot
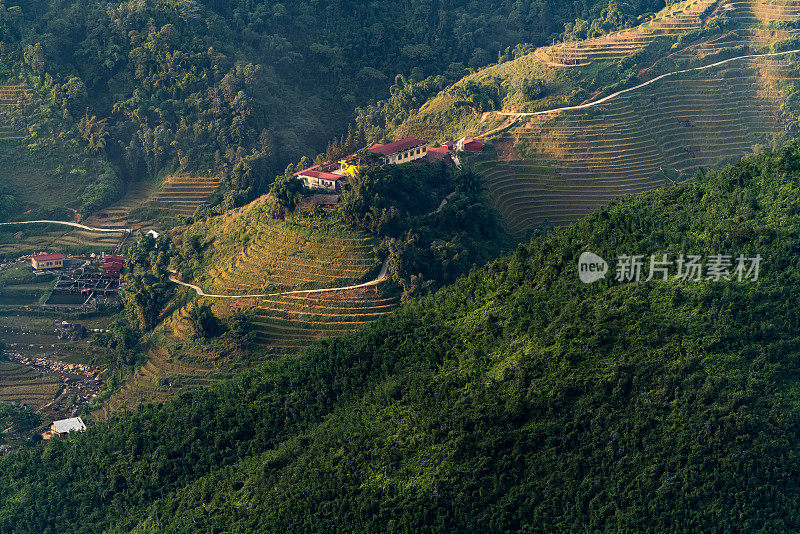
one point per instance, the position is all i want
(554, 169)
(118, 215)
(161, 378)
(183, 194)
(289, 323)
(22, 384)
(18, 240)
(282, 257)
(676, 19)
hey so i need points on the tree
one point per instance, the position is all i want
(204, 323)
(288, 191)
(94, 131)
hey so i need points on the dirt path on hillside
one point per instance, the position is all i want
(382, 275)
(612, 96)
(73, 224)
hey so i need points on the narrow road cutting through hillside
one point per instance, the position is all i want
(514, 116)
(73, 224)
(381, 277)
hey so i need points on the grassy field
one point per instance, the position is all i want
(53, 238)
(162, 377)
(119, 214)
(21, 384)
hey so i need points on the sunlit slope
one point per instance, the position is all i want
(557, 167)
(250, 253)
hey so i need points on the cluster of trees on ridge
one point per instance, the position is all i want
(427, 247)
(516, 400)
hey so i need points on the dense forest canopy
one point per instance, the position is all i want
(517, 399)
(242, 88)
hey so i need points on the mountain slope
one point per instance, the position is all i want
(553, 168)
(234, 89)
(518, 399)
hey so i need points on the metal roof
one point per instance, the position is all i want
(68, 425)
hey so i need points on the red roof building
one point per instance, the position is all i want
(439, 154)
(472, 145)
(317, 178)
(402, 151)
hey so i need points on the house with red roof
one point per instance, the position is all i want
(47, 261)
(441, 153)
(472, 145)
(327, 176)
(113, 265)
(402, 151)
(321, 177)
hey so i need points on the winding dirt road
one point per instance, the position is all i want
(73, 224)
(381, 277)
(628, 90)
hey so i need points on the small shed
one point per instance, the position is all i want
(64, 426)
(472, 145)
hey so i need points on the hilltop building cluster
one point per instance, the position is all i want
(327, 176)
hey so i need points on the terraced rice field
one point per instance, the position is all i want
(556, 168)
(12, 96)
(682, 17)
(183, 194)
(54, 239)
(159, 379)
(119, 214)
(282, 258)
(22, 384)
(287, 324)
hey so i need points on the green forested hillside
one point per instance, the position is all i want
(242, 88)
(518, 399)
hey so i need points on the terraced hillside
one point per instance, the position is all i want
(553, 168)
(282, 258)
(248, 252)
(556, 168)
(160, 378)
(182, 194)
(286, 324)
(22, 384)
(673, 20)
(17, 240)
(119, 215)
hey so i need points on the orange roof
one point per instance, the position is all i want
(48, 257)
(314, 172)
(398, 146)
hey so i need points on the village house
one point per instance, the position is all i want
(442, 153)
(329, 176)
(64, 426)
(47, 261)
(471, 145)
(402, 151)
(324, 176)
(112, 266)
